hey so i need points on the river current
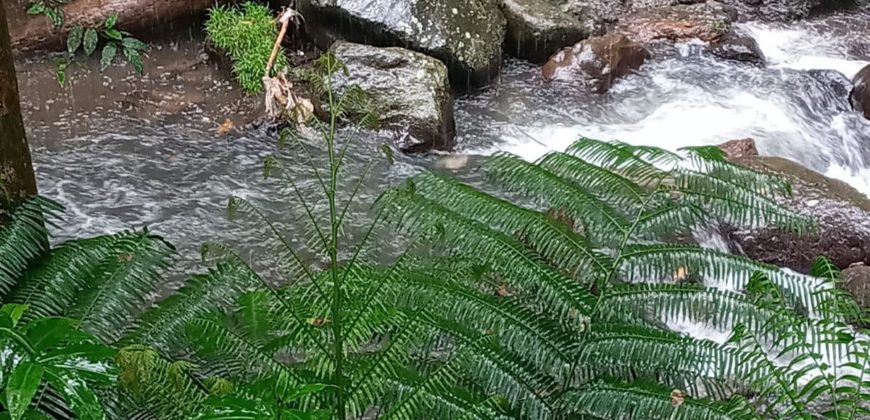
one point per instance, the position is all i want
(175, 179)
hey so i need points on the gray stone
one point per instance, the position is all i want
(781, 10)
(856, 280)
(842, 215)
(537, 28)
(467, 35)
(736, 47)
(860, 94)
(411, 90)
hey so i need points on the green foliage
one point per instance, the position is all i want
(246, 34)
(50, 357)
(50, 8)
(567, 290)
(114, 41)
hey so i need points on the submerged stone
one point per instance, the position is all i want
(467, 35)
(597, 62)
(410, 89)
(736, 47)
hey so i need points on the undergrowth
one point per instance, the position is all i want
(246, 33)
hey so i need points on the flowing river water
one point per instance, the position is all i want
(175, 178)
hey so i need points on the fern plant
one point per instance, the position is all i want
(580, 296)
(570, 289)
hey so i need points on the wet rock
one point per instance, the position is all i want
(598, 14)
(411, 90)
(467, 35)
(597, 61)
(781, 10)
(739, 149)
(841, 213)
(828, 89)
(736, 47)
(537, 28)
(856, 279)
(707, 22)
(860, 95)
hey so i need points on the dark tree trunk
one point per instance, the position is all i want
(36, 32)
(16, 170)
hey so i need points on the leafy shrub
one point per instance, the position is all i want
(246, 34)
(115, 41)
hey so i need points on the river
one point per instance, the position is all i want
(175, 177)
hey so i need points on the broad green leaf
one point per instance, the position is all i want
(135, 59)
(109, 52)
(37, 8)
(15, 311)
(114, 34)
(74, 41)
(54, 15)
(46, 333)
(78, 396)
(90, 41)
(133, 43)
(21, 388)
(111, 21)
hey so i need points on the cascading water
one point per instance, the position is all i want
(793, 108)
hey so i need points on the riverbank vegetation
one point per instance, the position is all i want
(580, 285)
(572, 287)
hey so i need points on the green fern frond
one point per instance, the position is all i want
(609, 399)
(561, 294)
(163, 325)
(23, 239)
(601, 223)
(673, 263)
(700, 367)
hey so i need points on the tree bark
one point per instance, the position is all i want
(17, 179)
(36, 32)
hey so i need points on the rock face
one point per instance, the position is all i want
(707, 22)
(737, 47)
(467, 35)
(537, 28)
(411, 89)
(739, 149)
(860, 94)
(597, 62)
(856, 280)
(841, 212)
(777, 10)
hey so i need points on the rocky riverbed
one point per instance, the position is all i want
(464, 79)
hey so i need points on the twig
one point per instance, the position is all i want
(285, 21)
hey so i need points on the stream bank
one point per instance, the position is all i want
(122, 150)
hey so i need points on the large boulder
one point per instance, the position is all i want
(779, 10)
(860, 94)
(596, 62)
(738, 47)
(467, 35)
(537, 28)
(841, 213)
(856, 280)
(410, 89)
(707, 22)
